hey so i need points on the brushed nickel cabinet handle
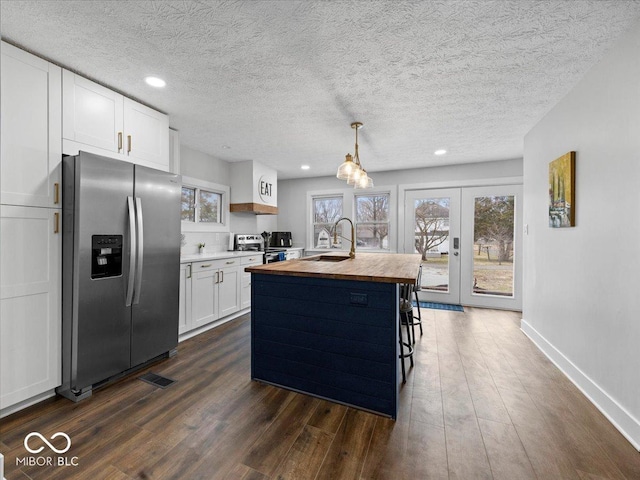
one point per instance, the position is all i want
(231, 262)
(205, 266)
(190, 272)
(221, 276)
(128, 143)
(56, 222)
(119, 141)
(56, 193)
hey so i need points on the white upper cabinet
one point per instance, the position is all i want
(92, 113)
(147, 134)
(98, 120)
(31, 149)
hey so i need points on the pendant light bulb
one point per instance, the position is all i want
(345, 169)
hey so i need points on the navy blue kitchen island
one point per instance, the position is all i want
(328, 327)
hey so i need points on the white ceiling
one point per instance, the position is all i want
(280, 81)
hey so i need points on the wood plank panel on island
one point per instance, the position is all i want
(328, 326)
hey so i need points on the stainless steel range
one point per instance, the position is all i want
(256, 242)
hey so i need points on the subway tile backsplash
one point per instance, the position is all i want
(214, 242)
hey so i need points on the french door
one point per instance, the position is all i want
(470, 243)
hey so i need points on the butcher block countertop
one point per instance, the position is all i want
(366, 267)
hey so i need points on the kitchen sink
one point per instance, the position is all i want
(326, 258)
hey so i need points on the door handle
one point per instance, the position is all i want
(119, 141)
(56, 193)
(128, 143)
(456, 253)
(190, 272)
(140, 232)
(133, 245)
(56, 222)
(221, 276)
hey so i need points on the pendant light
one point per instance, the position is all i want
(351, 169)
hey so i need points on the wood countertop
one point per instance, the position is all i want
(366, 267)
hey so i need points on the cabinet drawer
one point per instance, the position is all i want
(226, 262)
(252, 260)
(203, 266)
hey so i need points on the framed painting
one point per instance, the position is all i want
(562, 191)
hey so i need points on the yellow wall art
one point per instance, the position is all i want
(562, 191)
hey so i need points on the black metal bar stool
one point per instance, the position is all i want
(405, 318)
(417, 320)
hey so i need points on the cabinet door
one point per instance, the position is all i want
(30, 129)
(184, 319)
(229, 291)
(204, 297)
(245, 290)
(147, 135)
(30, 317)
(91, 113)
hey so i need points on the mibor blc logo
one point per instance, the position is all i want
(33, 443)
(41, 437)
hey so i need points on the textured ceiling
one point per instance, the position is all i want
(280, 81)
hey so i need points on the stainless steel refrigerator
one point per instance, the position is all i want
(121, 267)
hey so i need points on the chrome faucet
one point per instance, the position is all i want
(352, 252)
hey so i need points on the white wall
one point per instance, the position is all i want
(582, 284)
(292, 194)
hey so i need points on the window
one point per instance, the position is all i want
(188, 204)
(326, 212)
(209, 203)
(203, 205)
(372, 221)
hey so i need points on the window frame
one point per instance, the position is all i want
(348, 210)
(223, 207)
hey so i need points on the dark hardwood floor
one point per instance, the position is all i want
(481, 402)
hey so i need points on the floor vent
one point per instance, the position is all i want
(156, 380)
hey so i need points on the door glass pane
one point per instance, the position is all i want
(493, 235)
(432, 241)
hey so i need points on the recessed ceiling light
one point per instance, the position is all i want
(155, 82)
(442, 151)
(305, 167)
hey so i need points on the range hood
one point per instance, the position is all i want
(253, 188)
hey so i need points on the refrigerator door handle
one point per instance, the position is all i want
(138, 287)
(132, 251)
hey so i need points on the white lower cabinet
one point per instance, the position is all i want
(30, 310)
(245, 280)
(184, 319)
(211, 290)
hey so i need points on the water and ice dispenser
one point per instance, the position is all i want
(106, 256)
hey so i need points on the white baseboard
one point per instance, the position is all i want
(626, 424)
(26, 403)
(221, 321)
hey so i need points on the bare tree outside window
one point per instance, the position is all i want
(372, 221)
(432, 224)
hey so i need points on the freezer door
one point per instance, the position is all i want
(101, 331)
(157, 287)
